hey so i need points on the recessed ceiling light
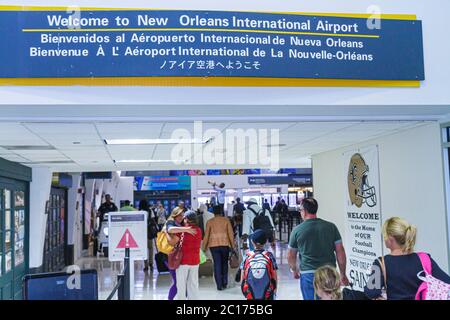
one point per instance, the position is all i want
(154, 141)
(50, 162)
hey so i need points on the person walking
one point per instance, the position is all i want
(160, 214)
(402, 266)
(257, 218)
(127, 206)
(259, 270)
(219, 239)
(106, 207)
(238, 213)
(266, 205)
(174, 228)
(187, 272)
(151, 224)
(318, 243)
(277, 212)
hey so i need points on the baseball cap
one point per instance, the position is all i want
(251, 201)
(259, 236)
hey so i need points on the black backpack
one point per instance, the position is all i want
(261, 221)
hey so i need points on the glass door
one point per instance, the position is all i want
(55, 235)
(13, 242)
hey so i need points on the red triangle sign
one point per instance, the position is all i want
(127, 241)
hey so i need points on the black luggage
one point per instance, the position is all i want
(161, 262)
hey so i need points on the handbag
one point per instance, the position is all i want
(162, 243)
(176, 255)
(234, 260)
(383, 270)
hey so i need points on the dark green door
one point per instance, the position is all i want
(55, 246)
(13, 237)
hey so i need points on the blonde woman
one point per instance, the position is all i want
(327, 283)
(401, 266)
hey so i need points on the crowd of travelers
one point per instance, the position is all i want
(316, 254)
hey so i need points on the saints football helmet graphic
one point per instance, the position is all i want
(359, 189)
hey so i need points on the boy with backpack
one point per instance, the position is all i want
(259, 270)
(255, 218)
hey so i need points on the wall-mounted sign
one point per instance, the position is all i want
(162, 183)
(145, 45)
(301, 180)
(363, 213)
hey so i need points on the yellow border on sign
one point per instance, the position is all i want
(205, 82)
(208, 81)
(384, 16)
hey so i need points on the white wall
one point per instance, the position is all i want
(434, 91)
(39, 195)
(74, 218)
(120, 188)
(125, 190)
(411, 185)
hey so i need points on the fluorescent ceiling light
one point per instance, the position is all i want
(150, 161)
(50, 162)
(154, 141)
(18, 148)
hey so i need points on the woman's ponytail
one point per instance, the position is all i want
(403, 233)
(410, 239)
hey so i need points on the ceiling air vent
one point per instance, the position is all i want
(37, 148)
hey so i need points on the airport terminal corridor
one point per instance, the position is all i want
(226, 151)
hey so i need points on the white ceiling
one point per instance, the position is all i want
(82, 144)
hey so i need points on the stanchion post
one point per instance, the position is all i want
(126, 286)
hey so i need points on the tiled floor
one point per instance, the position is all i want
(154, 286)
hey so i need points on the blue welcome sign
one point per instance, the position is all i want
(147, 183)
(90, 44)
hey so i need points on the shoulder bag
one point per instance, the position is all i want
(383, 270)
(176, 255)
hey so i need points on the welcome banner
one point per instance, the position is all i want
(62, 43)
(363, 213)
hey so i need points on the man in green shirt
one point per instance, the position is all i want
(318, 243)
(127, 206)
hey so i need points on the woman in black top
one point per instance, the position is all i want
(401, 266)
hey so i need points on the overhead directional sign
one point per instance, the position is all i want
(301, 179)
(94, 43)
(127, 229)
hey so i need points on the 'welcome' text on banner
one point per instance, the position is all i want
(166, 43)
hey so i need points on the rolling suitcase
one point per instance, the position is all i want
(161, 262)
